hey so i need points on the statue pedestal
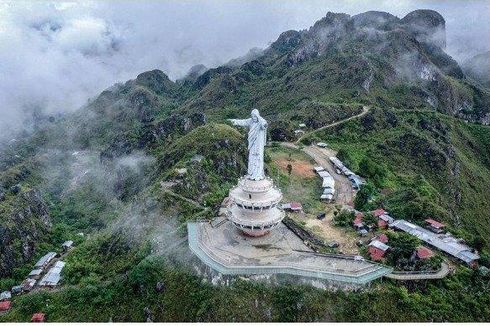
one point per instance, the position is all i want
(253, 206)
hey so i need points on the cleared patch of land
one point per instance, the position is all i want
(299, 167)
(304, 185)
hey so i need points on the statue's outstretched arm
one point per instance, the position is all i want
(240, 122)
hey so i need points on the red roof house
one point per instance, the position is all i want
(358, 220)
(377, 250)
(383, 238)
(38, 317)
(424, 253)
(5, 305)
(434, 225)
(295, 206)
(382, 224)
(378, 212)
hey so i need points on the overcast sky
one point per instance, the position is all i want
(55, 55)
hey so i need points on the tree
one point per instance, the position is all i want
(363, 196)
(344, 218)
(345, 157)
(402, 247)
(376, 171)
(369, 219)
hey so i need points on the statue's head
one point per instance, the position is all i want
(255, 114)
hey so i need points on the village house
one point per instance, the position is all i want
(67, 245)
(292, 207)
(422, 253)
(378, 212)
(358, 223)
(381, 238)
(377, 250)
(38, 317)
(328, 183)
(435, 226)
(443, 242)
(35, 274)
(28, 284)
(318, 168)
(5, 295)
(45, 260)
(5, 305)
(53, 276)
(17, 289)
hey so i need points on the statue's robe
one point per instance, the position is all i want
(257, 137)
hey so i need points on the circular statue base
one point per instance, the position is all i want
(254, 206)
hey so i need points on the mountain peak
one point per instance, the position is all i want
(427, 25)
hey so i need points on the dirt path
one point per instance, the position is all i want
(346, 242)
(343, 187)
(343, 196)
(365, 110)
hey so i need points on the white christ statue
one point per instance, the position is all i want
(257, 136)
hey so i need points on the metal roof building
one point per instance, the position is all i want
(446, 243)
(45, 260)
(53, 276)
(318, 168)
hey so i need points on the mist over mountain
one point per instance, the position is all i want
(55, 56)
(124, 111)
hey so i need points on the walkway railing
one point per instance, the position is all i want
(344, 277)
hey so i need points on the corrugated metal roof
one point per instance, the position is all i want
(45, 259)
(68, 243)
(380, 245)
(445, 243)
(5, 295)
(53, 276)
(328, 183)
(324, 174)
(35, 272)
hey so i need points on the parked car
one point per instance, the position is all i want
(320, 216)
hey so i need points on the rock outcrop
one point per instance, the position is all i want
(21, 229)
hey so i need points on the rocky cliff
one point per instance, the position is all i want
(25, 221)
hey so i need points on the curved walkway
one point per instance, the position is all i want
(412, 276)
(277, 255)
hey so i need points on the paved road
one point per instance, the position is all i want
(365, 109)
(413, 276)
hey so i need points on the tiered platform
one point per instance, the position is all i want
(229, 252)
(253, 208)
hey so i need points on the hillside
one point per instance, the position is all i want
(478, 68)
(130, 168)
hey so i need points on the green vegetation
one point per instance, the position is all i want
(344, 218)
(419, 160)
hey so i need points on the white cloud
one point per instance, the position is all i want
(55, 55)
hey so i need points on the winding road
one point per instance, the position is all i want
(365, 110)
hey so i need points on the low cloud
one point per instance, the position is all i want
(54, 56)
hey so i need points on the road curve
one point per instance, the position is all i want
(365, 110)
